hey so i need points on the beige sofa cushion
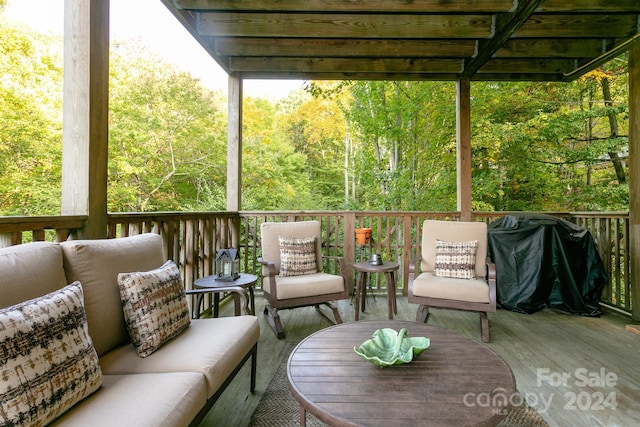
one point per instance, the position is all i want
(212, 347)
(29, 271)
(96, 264)
(471, 290)
(144, 400)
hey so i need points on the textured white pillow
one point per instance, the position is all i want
(48, 361)
(155, 306)
(456, 259)
(297, 256)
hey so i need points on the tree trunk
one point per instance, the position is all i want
(613, 124)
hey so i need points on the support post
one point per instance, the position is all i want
(634, 176)
(234, 145)
(463, 148)
(85, 114)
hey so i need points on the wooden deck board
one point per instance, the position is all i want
(539, 348)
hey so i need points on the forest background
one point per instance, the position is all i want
(336, 145)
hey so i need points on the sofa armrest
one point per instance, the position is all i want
(237, 291)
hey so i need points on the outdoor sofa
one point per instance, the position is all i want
(66, 351)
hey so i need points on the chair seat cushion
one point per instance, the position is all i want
(471, 290)
(306, 286)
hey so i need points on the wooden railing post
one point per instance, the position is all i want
(349, 245)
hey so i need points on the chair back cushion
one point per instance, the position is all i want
(271, 232)
(453, 231)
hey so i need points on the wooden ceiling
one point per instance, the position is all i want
(545, 40)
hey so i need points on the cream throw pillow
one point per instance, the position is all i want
(155, 306)
(456, 259)
(48, 361)
(297, 256)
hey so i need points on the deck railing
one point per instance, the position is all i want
(192, 239)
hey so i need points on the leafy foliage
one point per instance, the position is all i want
(339, 145)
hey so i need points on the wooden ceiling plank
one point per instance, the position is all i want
(550, 48)
(345, 65)
(590, 6)
(506, 25)
(229, 24)
(554, 66)
(377, 6)
(409, 48)
(578, 25)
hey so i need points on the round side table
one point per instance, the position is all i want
(388, 268)
(246, 281)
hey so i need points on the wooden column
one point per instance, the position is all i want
(463, 148)
(634, 175)
(85, 113)
(234, 146)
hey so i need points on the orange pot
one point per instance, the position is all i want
(363, 235)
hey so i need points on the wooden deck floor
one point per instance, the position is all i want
(576, 371)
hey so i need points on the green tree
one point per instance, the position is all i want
(30, 122)
(167, 137)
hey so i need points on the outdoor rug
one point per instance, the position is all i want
(278, 408)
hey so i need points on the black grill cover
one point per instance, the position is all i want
(543, 261)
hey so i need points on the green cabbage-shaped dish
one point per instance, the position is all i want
(389, 347)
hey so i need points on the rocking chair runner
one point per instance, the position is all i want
(292, 271)
(434, 287)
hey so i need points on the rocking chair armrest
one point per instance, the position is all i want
(491, 270)
(236, 290)
(341, 261)
(491, 281)
(413, 263)
(270, 266)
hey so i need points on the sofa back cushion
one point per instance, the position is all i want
(96, 264)
(29, 271)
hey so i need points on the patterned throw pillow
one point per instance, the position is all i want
(456, 259)
(155, 306)
(297, 256)
(47, 359)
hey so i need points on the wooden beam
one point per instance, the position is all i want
(505, 26)
(234, 145)
(463, 148)
(85, 114)
(634, 174)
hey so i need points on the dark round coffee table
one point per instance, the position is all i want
(457, 381)
(244, 281)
